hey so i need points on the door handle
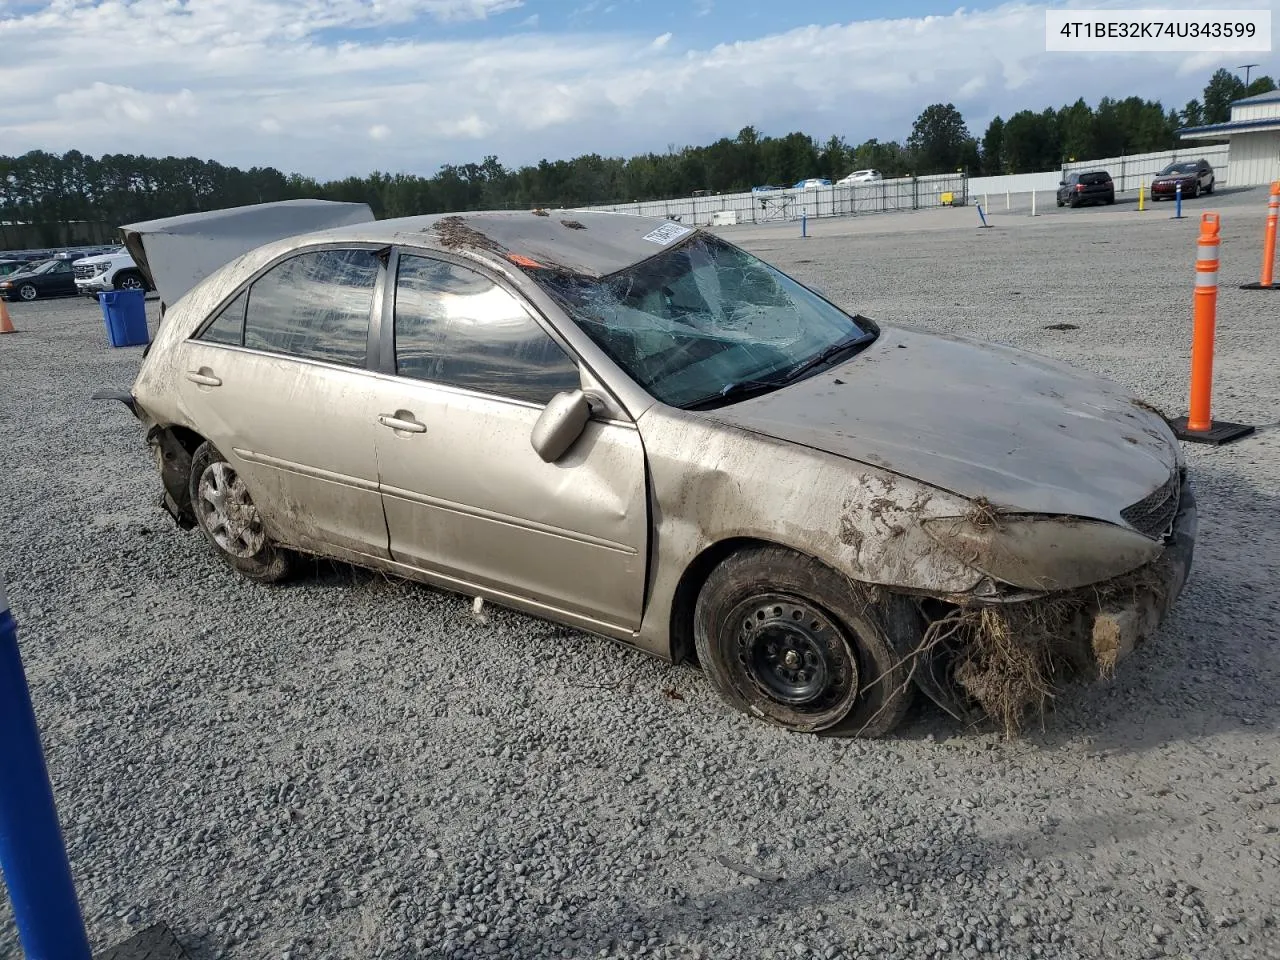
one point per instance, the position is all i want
(401, 422)
(204, 377)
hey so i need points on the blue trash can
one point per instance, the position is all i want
(125, 314)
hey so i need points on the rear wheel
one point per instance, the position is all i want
(787, 639)
(229, 519)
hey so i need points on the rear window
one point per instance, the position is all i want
(315, 306)
(1095, 178)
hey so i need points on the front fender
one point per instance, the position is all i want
(711, 482)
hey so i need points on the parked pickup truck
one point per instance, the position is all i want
(110, 271)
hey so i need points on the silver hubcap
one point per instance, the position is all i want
(228, 513)
(27, 293)
(130, 283)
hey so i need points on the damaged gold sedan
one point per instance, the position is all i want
(641, 430)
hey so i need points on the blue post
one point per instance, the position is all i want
(982, 216)
(32, 854)
(1177, 199)
(804, 224)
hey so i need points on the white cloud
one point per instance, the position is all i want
(305, 86)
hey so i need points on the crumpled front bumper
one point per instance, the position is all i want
(1095, 627)
(1131, 616)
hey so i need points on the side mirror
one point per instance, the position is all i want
(1062, 183)
(562, 422)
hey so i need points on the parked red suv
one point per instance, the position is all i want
(1196, 177)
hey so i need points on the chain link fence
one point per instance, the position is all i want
(837, 200)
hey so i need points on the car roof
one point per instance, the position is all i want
(589, 243)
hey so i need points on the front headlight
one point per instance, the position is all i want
(100, 268)
(1043, 553)
(7, 285)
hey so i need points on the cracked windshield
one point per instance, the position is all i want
(706, 323)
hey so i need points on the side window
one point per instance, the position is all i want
(314, 305)
(228, 325)
(454, 326)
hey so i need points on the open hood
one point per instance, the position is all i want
(176, 253)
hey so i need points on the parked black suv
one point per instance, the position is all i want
(1090, 186)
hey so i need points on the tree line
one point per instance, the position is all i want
(41, 187)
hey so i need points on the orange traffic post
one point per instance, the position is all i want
(6, 324)
(1269, 243)
(1198, 425)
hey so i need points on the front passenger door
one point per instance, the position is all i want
(464, 492)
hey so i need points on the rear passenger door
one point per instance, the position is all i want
(279, 381)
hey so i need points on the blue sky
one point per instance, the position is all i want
(332, 88)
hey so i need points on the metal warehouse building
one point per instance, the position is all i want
(1254, 132)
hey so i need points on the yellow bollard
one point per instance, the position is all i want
(1142, 196)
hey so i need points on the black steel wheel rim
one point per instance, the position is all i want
(792, 653)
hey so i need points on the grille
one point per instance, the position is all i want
(83, 273)
(1153, 515)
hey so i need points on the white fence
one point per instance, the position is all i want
(907, 193)
(1128, 172)
(1014, 183)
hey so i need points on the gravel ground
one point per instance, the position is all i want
(354, 766)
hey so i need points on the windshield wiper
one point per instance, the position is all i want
(738, 390)
(849, 345)
(741, 389)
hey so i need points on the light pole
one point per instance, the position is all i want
(1246, 67)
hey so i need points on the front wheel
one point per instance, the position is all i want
(229, 519)
(787, 639)
(28, 292)
(130, 281)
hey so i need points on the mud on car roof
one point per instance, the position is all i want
(591, 244)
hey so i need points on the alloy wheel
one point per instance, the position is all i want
(228, 512)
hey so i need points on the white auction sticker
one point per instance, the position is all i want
(1158, 31)
(667, 232)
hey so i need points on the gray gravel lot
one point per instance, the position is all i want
(354, 766)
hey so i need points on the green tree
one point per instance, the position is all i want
(1031, 141)
(993, 148)
(1192, 115)
(1076, 130)
(1263, 84)
(939, 140)
(1223, 87)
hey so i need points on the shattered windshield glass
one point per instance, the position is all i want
(705, 322)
